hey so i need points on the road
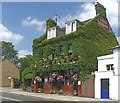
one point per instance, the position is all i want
(16, 98)
(20, 98)
(10, 95)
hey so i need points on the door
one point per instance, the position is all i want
(105, 88)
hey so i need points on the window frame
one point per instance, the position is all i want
(109, 67)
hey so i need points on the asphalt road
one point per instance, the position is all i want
(17, 98)
(20, 98)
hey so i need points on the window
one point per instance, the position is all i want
(42, 53)
(68, 28)
(105, 84)
(109, 67)
(70, 48)
(51, 56)
(50, 33)
(60, 49)
(72, 26)
(53, 32)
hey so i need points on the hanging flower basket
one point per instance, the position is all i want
(74, 77)
(52, 79)
(54, 75)
(38, 78)
(60, 78)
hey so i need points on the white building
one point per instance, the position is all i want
(71, 26)
(108, 75)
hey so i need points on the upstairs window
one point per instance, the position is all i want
(49, 34)
(73, 26)
(70, 48)
(42, 53)
(68, 28)
(53, 32)
(61, 49)
(109, 67)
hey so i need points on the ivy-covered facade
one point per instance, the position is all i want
(76, 49)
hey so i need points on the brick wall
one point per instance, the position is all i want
(8, 70)
(88, 87)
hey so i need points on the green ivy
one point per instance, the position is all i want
(88, 42)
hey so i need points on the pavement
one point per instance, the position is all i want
(52, 96)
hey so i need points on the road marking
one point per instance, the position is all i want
(10, 99)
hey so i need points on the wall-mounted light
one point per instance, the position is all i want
(93, 73)
(9, 78)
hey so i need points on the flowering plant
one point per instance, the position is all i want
(54, 75)
(52, 91)
(74, 77)
(60, 92)
(60, 78)
(52, 79)
(75, 93)
(38, 78)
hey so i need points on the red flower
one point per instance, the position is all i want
(60, 78)
(54, 75)
(74, 78)
(38, 78)
(52, 79)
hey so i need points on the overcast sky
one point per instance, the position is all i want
(22, 22)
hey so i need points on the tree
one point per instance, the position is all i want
(25, 62)
(26, 68)
(9, 52)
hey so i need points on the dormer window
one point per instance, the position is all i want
(51, 33)
(71, 26)
(109, 67)
(54, 32)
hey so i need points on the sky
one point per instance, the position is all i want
(22, 22)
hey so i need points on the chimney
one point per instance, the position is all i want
(100, 9)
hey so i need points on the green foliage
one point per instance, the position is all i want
(28, 73)
(26, 69)
(102, 13)
(9, 52)
(50, 23)
(25, 62)
(88, 42)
